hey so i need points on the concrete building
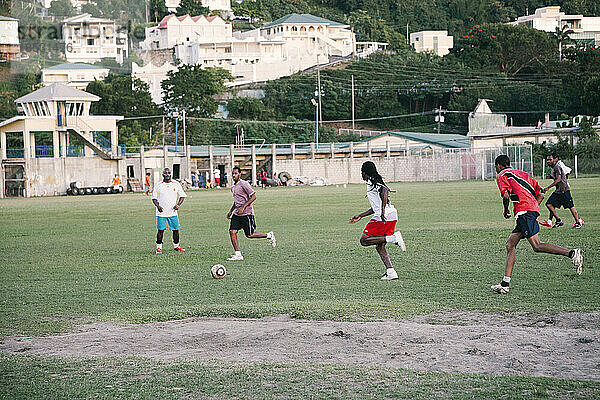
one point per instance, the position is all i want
(488, 129)
(283, 47)
(74, 75)
(10, 47)
(153, 75)
(55, 141)
(213, 5)
(173, 30)
(436, 42)
(586, 30)
(89, 39)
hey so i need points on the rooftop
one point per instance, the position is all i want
(302, 19)
(57, 91)
(73, 66)
(442, 139)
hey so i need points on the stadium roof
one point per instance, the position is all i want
(442, 139)
(302, 19)
(57, 91)
(4, 18)
(74, 66)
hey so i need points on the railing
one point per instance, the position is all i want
(77, 150)
(15, 152)
(102, 141)
(44, 151)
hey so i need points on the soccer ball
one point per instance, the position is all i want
(218, 271)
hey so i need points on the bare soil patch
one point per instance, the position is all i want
(565, 345)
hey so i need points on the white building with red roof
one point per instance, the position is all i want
(173, 30)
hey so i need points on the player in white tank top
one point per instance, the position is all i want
(380, 229)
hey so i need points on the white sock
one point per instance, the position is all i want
(238, 253)
(580, 220)
(269, 235)
(159, 246)
(506, 279)
(390, 239)
(175, 245)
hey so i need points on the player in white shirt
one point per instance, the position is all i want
(167, 196)
(380, 229)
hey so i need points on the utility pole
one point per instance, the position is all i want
(184, 142)
(319, 88)
(352, 104)
(407, 38)
(439, 118)
(163, 129)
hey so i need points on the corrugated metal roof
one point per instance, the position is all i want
(57, 91)
(442, 139)
(302, 19)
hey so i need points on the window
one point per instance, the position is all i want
(90, 42)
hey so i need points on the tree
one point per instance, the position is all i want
(123, 95)
(158, 9)
(247, 108)
(62, 8)
(192, 88)
(192, 7)
(562, 35)
(91, 8)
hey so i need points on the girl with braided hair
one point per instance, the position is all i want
(380, 229)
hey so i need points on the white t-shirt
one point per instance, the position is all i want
(373, 195)
(167, 195)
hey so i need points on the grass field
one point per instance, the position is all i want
(71, 260)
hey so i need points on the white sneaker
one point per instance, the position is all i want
(390, 275)
(500, 289)
(578, 260)
(399, 241)
(271, 237)
(236, 257)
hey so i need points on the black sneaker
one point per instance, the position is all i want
(576, 225)
(558, 223)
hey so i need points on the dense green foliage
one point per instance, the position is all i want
(516, 67)
(192, 7)
(122, 95)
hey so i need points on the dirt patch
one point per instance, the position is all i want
(565, 345)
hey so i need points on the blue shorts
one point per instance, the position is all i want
(559, 200)
(527, 224)
(161, 223)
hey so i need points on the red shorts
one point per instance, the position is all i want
(378, 228)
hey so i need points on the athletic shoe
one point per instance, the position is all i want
(390, 276)
(500, 289)
(581, 222)
(578, 260)
(236, 257)
(179, 248)
(271, 237)
(577, 225)
(558, 224)
(399, 241)
(158, 251)
(546, 223)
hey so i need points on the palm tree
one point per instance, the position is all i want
(562, 35)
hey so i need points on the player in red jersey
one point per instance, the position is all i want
(526, 194)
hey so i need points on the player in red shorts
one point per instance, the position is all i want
(380, 229)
